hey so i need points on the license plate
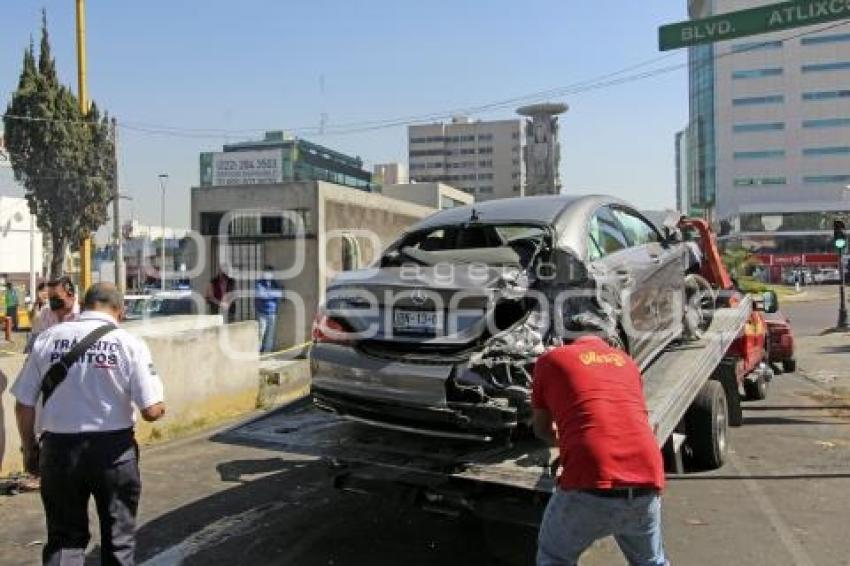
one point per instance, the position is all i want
(419, 322)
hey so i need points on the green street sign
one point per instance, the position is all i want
(765, 19)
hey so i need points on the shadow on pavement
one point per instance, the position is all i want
(797, 408)
(793, 421)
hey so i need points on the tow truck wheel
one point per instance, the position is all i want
(706, 424)
(756, 388)
(789, 366)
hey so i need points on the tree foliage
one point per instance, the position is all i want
(65, 159)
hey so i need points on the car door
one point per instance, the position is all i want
(621, 270)
(664, 273)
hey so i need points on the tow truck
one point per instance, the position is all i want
(693, 392)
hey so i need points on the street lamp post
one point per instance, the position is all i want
(163, 177)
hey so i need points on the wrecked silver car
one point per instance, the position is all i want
(440, 336)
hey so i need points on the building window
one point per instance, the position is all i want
(826, 95)
(756, 46)
(757, 100)
(821, 39)
(827, 123)
(485, 137)
(210, 222)
(765, 127)
(484, 150)
(826, 179)
(515, 175)
(757, 73)
(516, 161)
(834, 150)
(486, 190)
(755, 181)
(485, 163)
(515, 135)
(817, 67)
(763, 154)
(516, 188)
(485, 176)
(467, 151)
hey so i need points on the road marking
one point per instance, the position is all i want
(786, 536)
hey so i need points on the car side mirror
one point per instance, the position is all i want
(770, 302)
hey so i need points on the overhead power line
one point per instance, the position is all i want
(607, 80)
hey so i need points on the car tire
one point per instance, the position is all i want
(700, 301)
(789, 366)
(706, 425)
(756, 389)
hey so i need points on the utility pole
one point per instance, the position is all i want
(82, 92)
(839, 240)
(120, 277)
(163, 177)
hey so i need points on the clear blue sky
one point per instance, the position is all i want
(260, 64)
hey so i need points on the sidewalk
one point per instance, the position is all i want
(824, 361)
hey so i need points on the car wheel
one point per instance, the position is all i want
(789, 366)
(700, 301)
(706, 425)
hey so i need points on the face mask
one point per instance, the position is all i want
(56, 303)
(267, 276)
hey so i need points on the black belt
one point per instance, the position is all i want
(91, 435)
(621, 492)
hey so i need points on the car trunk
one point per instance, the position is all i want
(426, 311)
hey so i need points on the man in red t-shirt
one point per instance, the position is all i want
(588, 401)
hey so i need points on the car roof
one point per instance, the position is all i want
(568, 214)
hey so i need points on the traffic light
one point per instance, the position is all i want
(839, 236)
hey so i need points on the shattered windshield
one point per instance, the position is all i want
(491, 244)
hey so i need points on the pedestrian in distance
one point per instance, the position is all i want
(12, 304)
(87, 375)
(62, 306)
(268, 294)
(216, 295)
(587, 399)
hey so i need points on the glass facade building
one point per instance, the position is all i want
(300, 160)
(702, 164)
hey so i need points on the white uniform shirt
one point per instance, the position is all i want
(100, 390)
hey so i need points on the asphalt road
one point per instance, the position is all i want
(782, 499)
(812, 317)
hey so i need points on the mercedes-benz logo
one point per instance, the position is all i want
(418, 297)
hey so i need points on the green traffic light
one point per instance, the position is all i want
(840, 243)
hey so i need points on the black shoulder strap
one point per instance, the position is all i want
(56, 373)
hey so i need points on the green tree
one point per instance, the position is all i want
(64, 159)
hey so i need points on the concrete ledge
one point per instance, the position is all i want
(283, 382)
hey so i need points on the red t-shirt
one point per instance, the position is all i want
(595, 396)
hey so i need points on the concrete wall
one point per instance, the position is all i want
(342, 211)
(10, 445)
(210, 372)
(334, 211)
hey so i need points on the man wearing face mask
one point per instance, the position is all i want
(268, 294)
(62, 306)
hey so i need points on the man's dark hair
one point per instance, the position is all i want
(65, 282)
(105, 294)
(41, 286)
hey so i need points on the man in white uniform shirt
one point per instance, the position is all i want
(86, 422)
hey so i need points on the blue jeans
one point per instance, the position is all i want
(574, 519)
(268, 327)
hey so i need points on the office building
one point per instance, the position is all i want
(390, 174)
(769, 135)
(483, 159)
(683, 197)
(281, 158)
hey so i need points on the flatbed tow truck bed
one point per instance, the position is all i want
(463, 475)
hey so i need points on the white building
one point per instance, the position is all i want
(481, 158)
(435, 195)
(770, 133)
(390, 174)
(18, 231)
